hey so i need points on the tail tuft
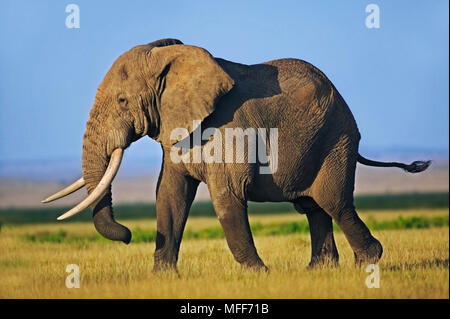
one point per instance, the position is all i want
(417, 166)
(414, 167)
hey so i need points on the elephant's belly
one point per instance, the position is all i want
(263, 189)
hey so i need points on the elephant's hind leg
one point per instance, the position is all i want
(323, 246)
(333, 192)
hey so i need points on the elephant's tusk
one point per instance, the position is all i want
(66, 191)
(102, 187)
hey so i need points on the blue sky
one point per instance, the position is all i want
(395, 79)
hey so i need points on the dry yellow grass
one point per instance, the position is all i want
(414, 265)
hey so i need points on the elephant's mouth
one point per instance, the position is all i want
(100, 190)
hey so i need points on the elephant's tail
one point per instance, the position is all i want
(414, 167)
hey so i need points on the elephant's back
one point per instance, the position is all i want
(301, 80)
(300, 69)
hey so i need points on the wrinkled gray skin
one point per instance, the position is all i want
(154, 88)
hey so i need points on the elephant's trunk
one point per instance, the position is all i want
(96, 165)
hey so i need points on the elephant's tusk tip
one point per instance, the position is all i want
(66, 191)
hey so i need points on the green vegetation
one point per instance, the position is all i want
(145, 211)
(258, 229)
(402, 201)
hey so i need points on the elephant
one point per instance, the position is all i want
(158, 88)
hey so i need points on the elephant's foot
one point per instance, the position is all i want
(253, 263)
(259, 266)
(164, 261)
(327, 255)
(370, 255)
(324, 260)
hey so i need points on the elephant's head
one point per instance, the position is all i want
(149, 90)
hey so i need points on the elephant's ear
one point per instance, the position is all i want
(190, 83)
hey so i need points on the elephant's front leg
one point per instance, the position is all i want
(174, 196)
(232, 214)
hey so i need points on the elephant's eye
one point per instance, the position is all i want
(122, 101)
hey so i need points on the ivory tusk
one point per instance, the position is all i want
(102, 187)
(66, 191)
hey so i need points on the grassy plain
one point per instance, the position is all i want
(415, 263)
